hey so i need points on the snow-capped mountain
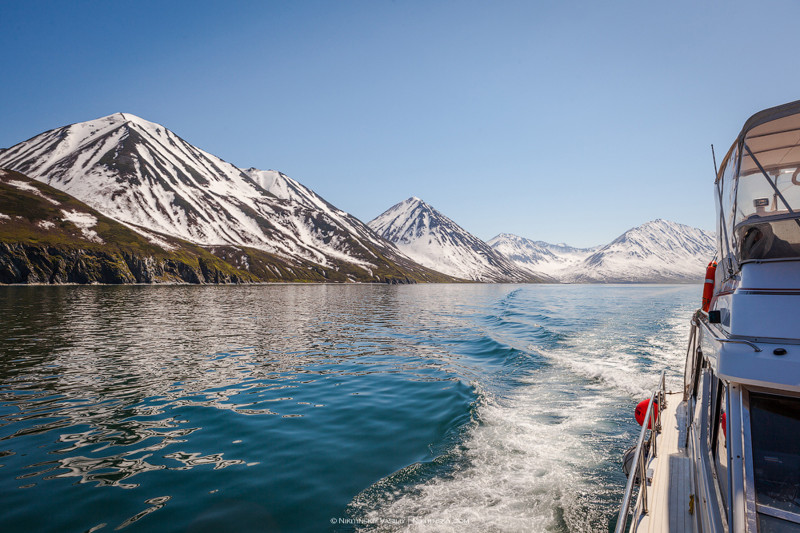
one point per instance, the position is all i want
(539, 257)
(142, 174)
(433, 240)
(657, 251)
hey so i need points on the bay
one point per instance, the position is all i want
(326, 407)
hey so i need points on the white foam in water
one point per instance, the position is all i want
(525, 465)
(532, 461)
(598, 356)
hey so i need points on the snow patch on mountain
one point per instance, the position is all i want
(30, 188)
(435, 241)
(154, 238)
(85, 222)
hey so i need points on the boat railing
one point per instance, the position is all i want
(645, 450)
(691, 358)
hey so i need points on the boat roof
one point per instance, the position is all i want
(773, 133)
(768, 115)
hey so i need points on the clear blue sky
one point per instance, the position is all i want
(554, 120)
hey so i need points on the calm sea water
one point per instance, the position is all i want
(326, 407)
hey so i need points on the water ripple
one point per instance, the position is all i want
(284, 406)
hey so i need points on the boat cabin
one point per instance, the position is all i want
(742, 378)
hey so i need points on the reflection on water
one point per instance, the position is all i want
(118, 387)
(324, 407)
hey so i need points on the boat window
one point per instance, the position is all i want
(726, 201)
(776, 194)
(774, 239)
(775, 424)
(711, 410)
(770, 524)
(703, 408)
(691, 373)
(721, 445)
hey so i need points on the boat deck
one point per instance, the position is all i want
(670, 486)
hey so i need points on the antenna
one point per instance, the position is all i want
(714, 157)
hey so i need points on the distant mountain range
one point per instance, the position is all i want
(655, 252)
(120, 199)
(540, 257)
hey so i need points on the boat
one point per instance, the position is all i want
(722, 453)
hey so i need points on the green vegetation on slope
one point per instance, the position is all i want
(40, 244)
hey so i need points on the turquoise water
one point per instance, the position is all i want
(326, 407)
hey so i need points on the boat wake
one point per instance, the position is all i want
(543, 453)
(524, 460)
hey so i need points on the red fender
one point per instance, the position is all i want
(641, 411)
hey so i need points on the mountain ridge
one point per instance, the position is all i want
(142, 174)
(656, 251)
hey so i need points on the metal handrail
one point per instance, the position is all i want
(753, 345)
(642, 456)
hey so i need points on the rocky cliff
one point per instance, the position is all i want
(47, 236)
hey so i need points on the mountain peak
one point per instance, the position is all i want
(505, 236)
(121, 118)
(663, 223)
(660, 225)
(129, 117)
